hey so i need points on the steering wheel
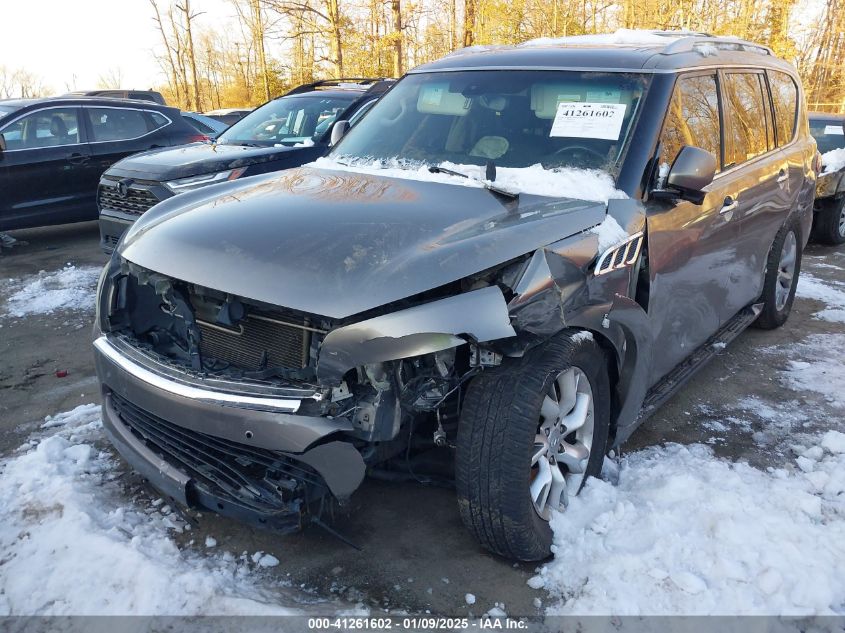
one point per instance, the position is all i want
(573, 151)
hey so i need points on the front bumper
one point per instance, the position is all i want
(240, 456)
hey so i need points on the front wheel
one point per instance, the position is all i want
(782, 269)
(531, 432)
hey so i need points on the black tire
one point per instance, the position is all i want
(774, 315)
(499, 421)
(829, 223)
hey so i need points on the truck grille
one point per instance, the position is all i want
(257, 342)
(136, 202)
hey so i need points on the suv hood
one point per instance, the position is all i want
(338, 243)
(170, 163)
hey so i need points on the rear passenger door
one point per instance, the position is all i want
(764, 193)
(116, 133)
(691, 247)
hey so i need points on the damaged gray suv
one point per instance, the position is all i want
(511, 260)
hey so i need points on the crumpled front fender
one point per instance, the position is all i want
(479, 315)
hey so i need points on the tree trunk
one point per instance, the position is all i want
(258, 37)
(396, 13)
(469, 22)
(335, 35)
(192, 60)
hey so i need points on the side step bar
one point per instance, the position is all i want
(679, 376)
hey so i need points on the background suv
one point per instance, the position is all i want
(286, 132)
(141, 95)
(53, 151)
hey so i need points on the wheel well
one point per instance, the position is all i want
(613, 376)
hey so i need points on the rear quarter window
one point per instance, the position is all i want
(785, 101)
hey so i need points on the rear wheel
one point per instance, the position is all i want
(782, 269)
(531, 432)
(829, 223)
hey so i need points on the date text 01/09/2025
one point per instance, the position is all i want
(414, 624)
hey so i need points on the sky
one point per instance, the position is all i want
(76, 42)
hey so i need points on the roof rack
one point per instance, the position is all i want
(336, 83)
(696, 41)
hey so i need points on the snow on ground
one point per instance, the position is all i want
(684, 532)
(70, 288)
(69, 544)
(830, 292)
(580, 184)
(834, 160)
(680, 531)
(821, 369)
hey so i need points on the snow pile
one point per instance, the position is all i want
(686, 533)
(834, 160)
(580, 184)
(70, 546)
(829, 292)
(824, 373)
(621, 37)
(70, 288)
(609, 233)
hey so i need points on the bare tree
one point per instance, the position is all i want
(188, 18)
(112, 78)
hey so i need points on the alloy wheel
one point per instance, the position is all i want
(563, 442)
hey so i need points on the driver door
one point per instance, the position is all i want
(691, 247)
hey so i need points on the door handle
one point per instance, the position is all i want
(783, 176)
(728, 205)
(77, 159)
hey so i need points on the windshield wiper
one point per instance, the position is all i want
(491, 171)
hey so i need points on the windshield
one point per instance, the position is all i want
(288, 121)
(515, 119)
(829, 134)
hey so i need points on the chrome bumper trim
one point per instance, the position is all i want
(109, 351)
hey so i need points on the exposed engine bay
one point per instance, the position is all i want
(398, 414)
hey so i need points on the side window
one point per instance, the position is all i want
(46, 128)
(747, 136)
(692, 119)
(785, 100)
(119, 124)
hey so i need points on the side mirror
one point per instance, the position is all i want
(2, 143)
(693, 169)
(338, 130)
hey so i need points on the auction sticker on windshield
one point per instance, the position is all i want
(589, 120)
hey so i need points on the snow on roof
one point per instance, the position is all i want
(579, 184)
(621, 37)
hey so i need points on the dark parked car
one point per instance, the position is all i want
(513, 258)
(140, 95)
(829, 221)
(228, 116)
(286, 132)
(53, 151)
